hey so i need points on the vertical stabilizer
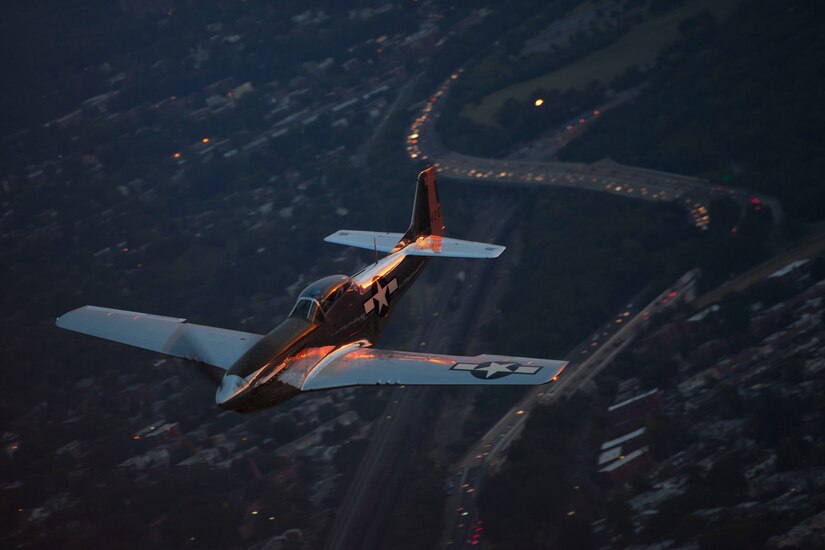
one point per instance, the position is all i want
(425, 236)
(426, 216)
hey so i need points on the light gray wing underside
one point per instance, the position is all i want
(379, 240)
(446, 247)
(431, 245)
(169, 335)
(369, 366)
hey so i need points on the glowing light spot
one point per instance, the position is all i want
(539, 102)
(205, 140)
(176, 155)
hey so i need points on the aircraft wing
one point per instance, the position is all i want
(359, 366)
(214, 346)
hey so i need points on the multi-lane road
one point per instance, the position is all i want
(362, 514)
(587, 360)
(604, 176)
(359, 522)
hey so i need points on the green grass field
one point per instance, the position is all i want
(640, 46)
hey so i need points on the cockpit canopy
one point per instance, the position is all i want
(316, 299)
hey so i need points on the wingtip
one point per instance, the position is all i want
(61, 319)
(64, 320)
(561, 370)
(330, 238)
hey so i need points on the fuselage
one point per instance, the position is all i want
(330, 313)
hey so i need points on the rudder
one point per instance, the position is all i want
(426, 216)
(425, 236)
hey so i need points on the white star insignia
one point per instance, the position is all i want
(380, 301)
(495, 368)
(380, 296)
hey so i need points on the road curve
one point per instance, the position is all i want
(422, 143)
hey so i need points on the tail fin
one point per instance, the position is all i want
(425, 234)
(426, 216)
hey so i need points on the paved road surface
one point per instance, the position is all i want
(362, 514)
(605, 176)
(587, 359)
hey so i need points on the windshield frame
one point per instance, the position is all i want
(332, 297)
(315, 315)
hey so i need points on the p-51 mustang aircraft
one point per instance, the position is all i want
(327, 340)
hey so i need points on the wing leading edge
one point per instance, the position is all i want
(214, 346)
(361, 366)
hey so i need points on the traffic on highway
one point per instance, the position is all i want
(693, 193)
(587, 360)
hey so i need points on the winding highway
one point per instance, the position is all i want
(422, 143)
(362, 515)
(587, 360)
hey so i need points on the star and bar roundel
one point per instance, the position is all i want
(379, 301)
(492, 370)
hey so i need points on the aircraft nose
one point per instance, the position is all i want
(231, 386)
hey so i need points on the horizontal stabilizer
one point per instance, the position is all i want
(371, 240)
(362, 366)
(214, 346)
(452, 248)
(430, 245)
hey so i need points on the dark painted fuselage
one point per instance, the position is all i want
(348, 310)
